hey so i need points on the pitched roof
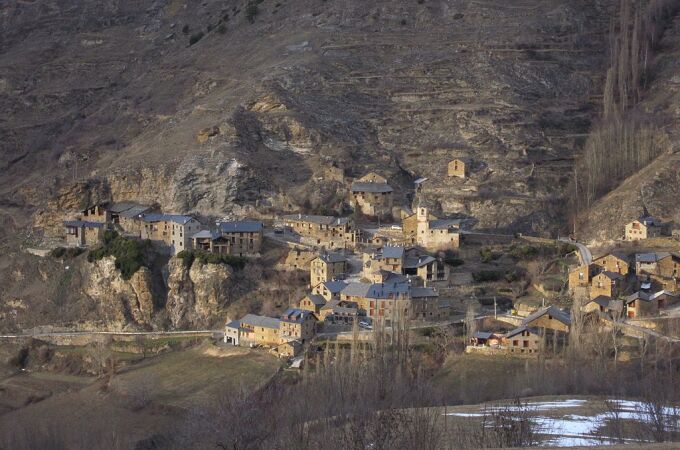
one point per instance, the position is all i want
(356, 289)
(442, 224)
(240, 226)
(321, 220)
(390, 251)
(335, 286)
(650, 221)
(134, 211)
(177, 218)
(295, 315)
(332, 258)
(205, 234)
(412, 262)
(646, 296)
(650, 257)
(359, 186)
(421, 292)
(611, 275)
(520, 329)
(233, 324)
(260, 321)
(616, 254)
(83, 224)
(551, 310)
(316, 299)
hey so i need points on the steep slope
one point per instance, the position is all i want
(657, 186)
(102, 103)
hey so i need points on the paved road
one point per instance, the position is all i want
(110, 333)
(584, 254)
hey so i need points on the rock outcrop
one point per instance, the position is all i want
(121, 303)
(196, 294)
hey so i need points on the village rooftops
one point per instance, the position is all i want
(608, 302)
(645, 296)
(484, 334)
(241, 226)
(180, 219)
(335, 305)
(335, 286)
(423, 292)
(390, 290)
(206, 234)
(321, 220)
(413, 262)
(361, 186)
(553, 312)
(295, 315)
(331, 258)
(520, 330)
(651, 257)
(83, 224)
(445, 224)
(259, 321)
(316, 299)
(611, 275)
(390, 251)
(127, 209)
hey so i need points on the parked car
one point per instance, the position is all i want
(366, 325)
(278, 230)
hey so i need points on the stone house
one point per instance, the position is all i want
(643, 228)
(125, 217)
(427, 267)
(297, 259)
(297, 324)
(390, 258)
(253, 330)
(604, 306)
(550, 318)
(608, 284)
(171, 231)
(313, 303)
(486, 339)
(425, 230)
(327, 267)
(339, 312)
(457, 168)
(81, 233)
(523, 339)
(329, 290)
(239, 238)
(372, 196)
(614, 262)
(289, 349)
(96, 213)
(646, 304)
(326, 231)
(581, 276)
(661, 268)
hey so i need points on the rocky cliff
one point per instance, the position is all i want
(196, 295)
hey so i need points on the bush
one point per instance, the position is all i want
(524, 252)
(189, 256)
(487, 275)
(488, 255)
(196, 37)
(130, 254)
(66, 252)
(251, 11)
(185, 29)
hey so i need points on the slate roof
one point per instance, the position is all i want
(554, 312)
(360, 186)
(335, 286)
(332, 257)
(240, 226)
(520, 329)
(391, 251)
(203, 234)
(260, 321)
(295, 315)
(316, 299)
(134, 211)
(611, 275)
(83, 224)
(233, 324)
(650, 257)
(180, 219)
(442, 224)
(420, 292)
(616, 254)
(646, 296)
(650, 221)
(412, 262)
(321, 220)
(607, 302)
(356, 289)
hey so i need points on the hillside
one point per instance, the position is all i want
(108, 103)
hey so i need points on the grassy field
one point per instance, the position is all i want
(147, 398)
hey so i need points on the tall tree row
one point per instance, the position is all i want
(624, 139)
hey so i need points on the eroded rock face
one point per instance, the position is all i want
(121, 302)
(195, 295)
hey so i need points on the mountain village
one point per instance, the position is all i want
(383, 266)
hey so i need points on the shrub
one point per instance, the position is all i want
(189, 256)
(66, 252)
(488, 255)
(251, 11)
(196, 37)
(486, 275)
(130, 254)
(185, 29)
(524, 252)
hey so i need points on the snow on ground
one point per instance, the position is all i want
(572, 430)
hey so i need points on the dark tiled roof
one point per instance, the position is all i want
(332, 257)
(234, 324)
(335, 286)
(360, 186)
(611, 275)
(83, 224)
(420, 292)
(413, 262)
(166, 218)
(554, 312)
(260, 321)
(203, 234)
(321, 220)
(134, 211)
(390, 251)
(316, 299)
(443, 224)
(241, 226)
(295, 315)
